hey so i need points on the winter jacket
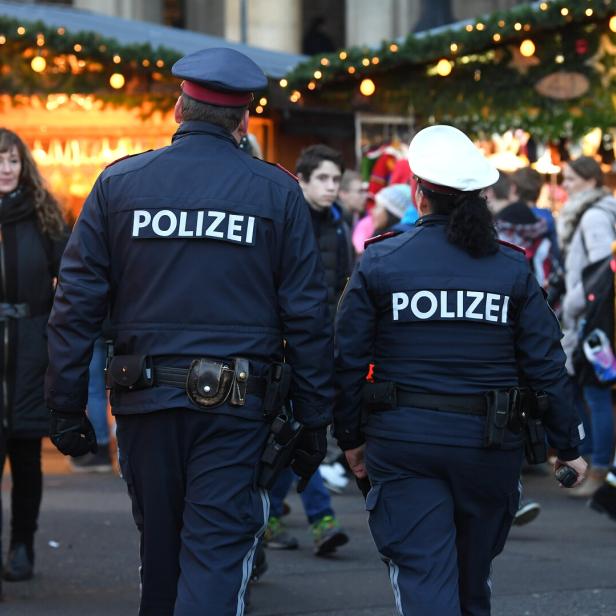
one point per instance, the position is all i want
(591, 242)
(334, 241)
(30, 262)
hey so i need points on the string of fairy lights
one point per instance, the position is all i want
(444, 51)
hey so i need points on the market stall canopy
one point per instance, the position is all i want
(549, 67)
(274, 64)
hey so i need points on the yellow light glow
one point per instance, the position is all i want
(613, 23)
(311, 85)
(543, 6)
(77, 47)
(40, 40)
(116, 81)
(259, 109)
(375, 60)
(21, 30)
(296, 94)
(393, 48)
(367, 87)
(61, 31)
(559, 59)
(160, 63)
(2, 39)
(527, 48)
(366, 62)
(501, 23)
(496, 37)
(443, 67)
(263, 101)
(343, 55)
(283, 83)
(480, 26)
(453, 47)
(117, 59)
(318, 74)
(588, 12)
(517, 26)
(145, 63)
(324, 62)
(564, 11)
(38, 64)
(351, 70)
(469, 28)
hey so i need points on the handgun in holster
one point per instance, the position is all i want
(278, 452)
(535, 406)
(500, 403)
(278, 382)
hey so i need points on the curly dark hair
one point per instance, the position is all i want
(48, 212)
(470, 225)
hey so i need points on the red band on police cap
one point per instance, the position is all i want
(438, 188)
(215, 97)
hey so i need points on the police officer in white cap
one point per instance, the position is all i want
(454, 323)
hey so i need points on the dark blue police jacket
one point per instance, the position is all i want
(197, 250)
(434, 319)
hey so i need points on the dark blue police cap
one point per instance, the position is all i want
(219, 76)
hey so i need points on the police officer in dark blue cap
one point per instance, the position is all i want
(454, 323)
(206, 262)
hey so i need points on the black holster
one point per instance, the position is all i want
(500, 406)
(533, 409)
(278, 451)
(278, 382)
(129, 372)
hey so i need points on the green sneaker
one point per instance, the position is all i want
(277, 537)
(327, 535)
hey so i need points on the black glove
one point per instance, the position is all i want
(309, 453)
(72, 433)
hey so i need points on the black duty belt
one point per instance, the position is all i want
(454, 403)
(14, 311)
(176, 377)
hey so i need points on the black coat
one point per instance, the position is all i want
(30, 262)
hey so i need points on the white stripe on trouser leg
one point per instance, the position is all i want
(394, 570)
(248, 559)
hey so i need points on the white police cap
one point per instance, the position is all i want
(445, 157)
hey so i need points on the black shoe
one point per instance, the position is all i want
(99, 462)
(20, 565)
(259, 565)
(604, 500)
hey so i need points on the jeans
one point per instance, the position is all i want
(599, 401)
(97, 394)
(315, 498)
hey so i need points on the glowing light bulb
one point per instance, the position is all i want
(527, 48)
(117, 81)
(367, 87)
(443, 67)
(38, 64)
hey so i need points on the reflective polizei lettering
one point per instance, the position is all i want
(442, 305)
(194, 224)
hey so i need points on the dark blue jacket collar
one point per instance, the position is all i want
(432, 219)
(196, 127)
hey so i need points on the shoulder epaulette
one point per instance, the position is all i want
(380, 238)
(514, 246)
(286, 171)
(117, 160)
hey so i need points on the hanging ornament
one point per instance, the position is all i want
(521, 63)
(603, 60)
(581, 46)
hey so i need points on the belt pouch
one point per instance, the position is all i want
(131, 371)
(379, 396)
(240, 381)
(208, 383)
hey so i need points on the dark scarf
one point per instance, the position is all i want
(17, 205)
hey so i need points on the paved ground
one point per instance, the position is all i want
(562, 564)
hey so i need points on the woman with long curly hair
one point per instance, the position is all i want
(32, 238)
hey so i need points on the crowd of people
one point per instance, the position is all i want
(566, 254)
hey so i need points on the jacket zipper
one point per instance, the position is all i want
(5, 332)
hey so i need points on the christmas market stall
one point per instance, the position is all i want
(81, 99)
(540, 74)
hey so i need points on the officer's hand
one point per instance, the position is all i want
(355, 459)
(578, 465)
(72, 433)
(309, 453)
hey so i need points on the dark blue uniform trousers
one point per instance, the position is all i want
(439, 515)
(190, 476)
